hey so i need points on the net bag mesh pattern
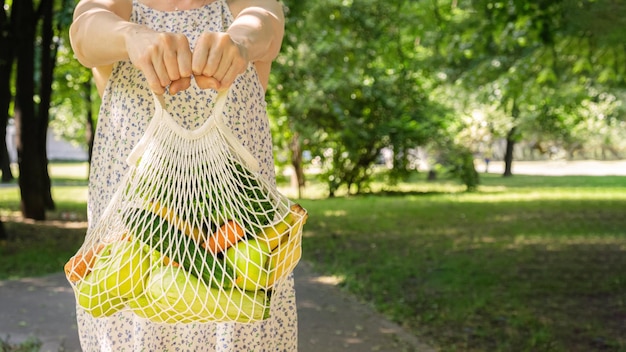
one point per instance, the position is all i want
(193, 234)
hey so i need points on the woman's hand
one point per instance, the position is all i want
(218, 60)
(164, 58)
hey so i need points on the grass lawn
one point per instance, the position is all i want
(526, 263)
(38, 248)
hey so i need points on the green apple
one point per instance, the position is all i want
(94, 300)
(249, 259)
(125, 266)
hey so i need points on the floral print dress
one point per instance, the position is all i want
(127, 106)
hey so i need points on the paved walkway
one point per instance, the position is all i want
(329, 319)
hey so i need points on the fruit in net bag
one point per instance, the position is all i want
(183, 298)
(94, 299)
(122, 268)
(249, 259)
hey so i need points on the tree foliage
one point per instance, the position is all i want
(76, 101)
(538, 63)
(345, 100)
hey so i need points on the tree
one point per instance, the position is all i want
(34, 26)
(534, 61)
(343, 100)
(7, 59)
(31, 162)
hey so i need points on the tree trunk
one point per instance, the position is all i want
(296, 163)
(27, 126)
(511, 138)
(7, 55)
(508, 155)
(48, 55)
(90, 125)
(5, 158)
(3, 233)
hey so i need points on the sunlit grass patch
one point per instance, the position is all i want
(76, 172)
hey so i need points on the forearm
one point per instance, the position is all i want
(259, 29)
(98, 33)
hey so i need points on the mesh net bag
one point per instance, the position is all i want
(193, 234)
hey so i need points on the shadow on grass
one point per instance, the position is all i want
(542, 296)
(38, 248)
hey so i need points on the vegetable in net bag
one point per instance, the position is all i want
(193, 234)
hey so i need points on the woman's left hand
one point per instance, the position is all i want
(217, 60)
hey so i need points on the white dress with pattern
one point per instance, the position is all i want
(127, 106)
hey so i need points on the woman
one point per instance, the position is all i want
(186, 50)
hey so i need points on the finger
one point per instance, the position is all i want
(154, 71)
(215, 53)
(183, 55)
(157, 60)
(237, 67)
(184, 62)
(230, 76)
(222, 68)
(170, 61)
(153, 80)
(161, 71)
(230, 56)
(205, 82)
(200, 54)
(179, 85)
(214, 60)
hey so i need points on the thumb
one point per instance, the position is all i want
(205, 82)
(179, 85)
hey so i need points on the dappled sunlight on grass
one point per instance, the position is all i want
(560, 241)
(59, 224)
(474, 242)
(329, 280)
(335, 213)
(561, 194)
(549, 243)
(76, 171)
(63, 194)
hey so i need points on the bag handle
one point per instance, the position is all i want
(215, 120)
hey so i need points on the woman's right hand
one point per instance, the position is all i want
(164, 59)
